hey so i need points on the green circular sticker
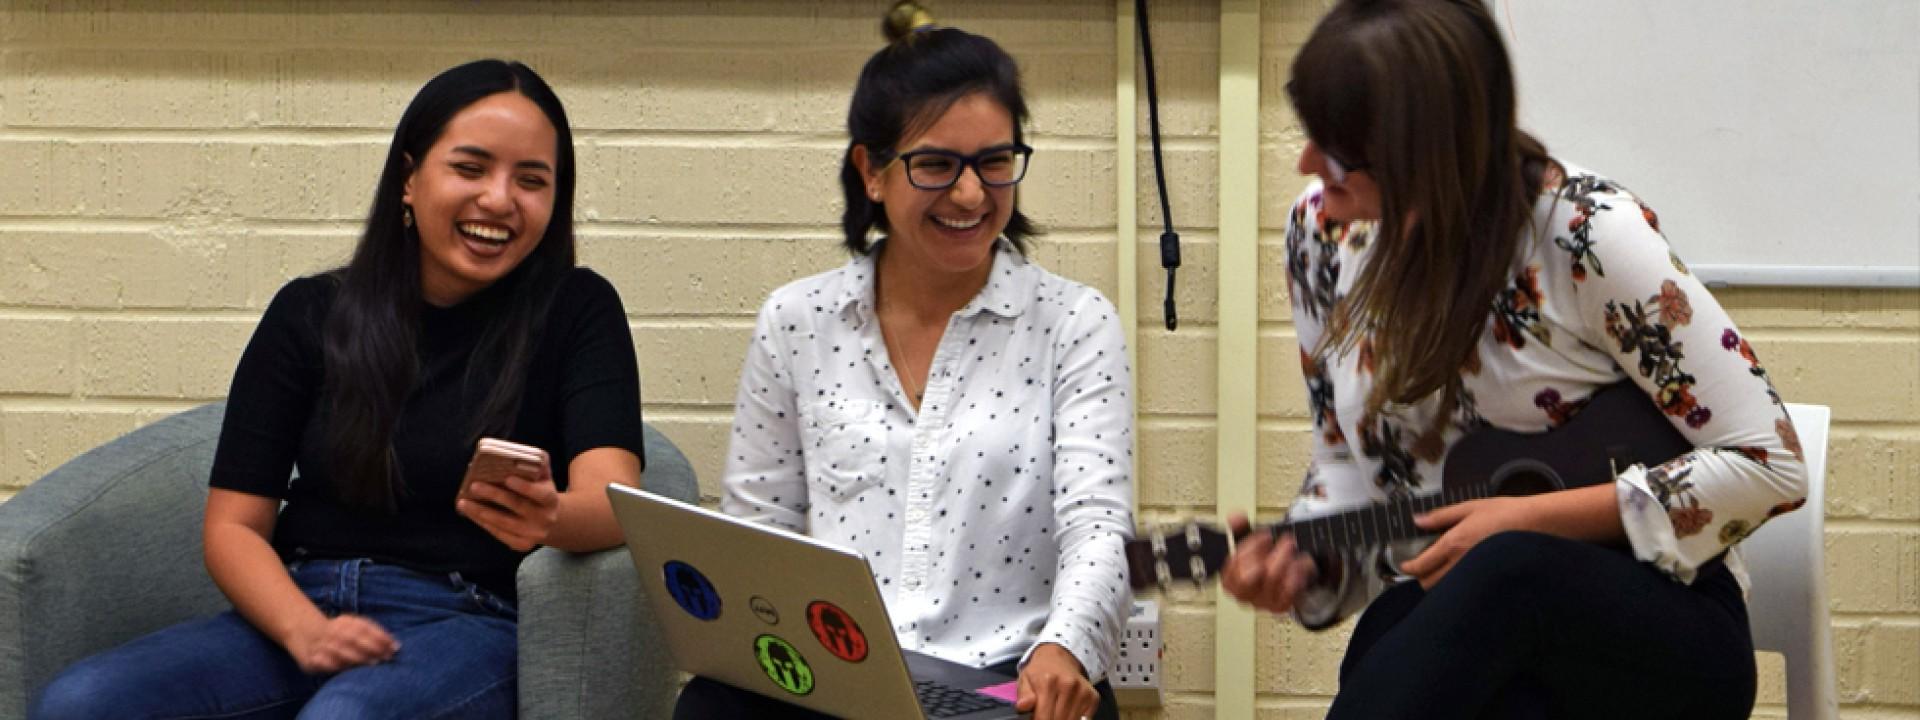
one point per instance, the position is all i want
(783, 664)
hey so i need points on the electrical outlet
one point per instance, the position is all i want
(1136, 673)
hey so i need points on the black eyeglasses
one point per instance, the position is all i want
(940, 169)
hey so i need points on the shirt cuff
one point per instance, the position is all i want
(1649, 527)
(1081, 648)
(1320, 604)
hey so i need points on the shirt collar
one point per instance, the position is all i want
(1008, 292)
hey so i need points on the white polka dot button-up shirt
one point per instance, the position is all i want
(994, 517)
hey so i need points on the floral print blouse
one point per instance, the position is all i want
(1596, 296)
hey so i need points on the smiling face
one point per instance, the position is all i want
(949, 231)
(482, 195)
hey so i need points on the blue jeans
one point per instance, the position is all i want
(457, 658)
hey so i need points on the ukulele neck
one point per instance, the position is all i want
(1379, 523)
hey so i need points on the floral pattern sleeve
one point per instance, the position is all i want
(1664, 330)
(1314, 262)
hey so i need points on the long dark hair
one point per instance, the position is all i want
(1422, 93)
(370, 356)
(904, 88)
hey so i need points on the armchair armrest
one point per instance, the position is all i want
(589, 643)
(104, 549)
(589, 647)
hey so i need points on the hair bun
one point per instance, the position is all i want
(903, 19)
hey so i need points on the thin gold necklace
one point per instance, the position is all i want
(905, 372)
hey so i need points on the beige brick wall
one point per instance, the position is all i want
(168, 166)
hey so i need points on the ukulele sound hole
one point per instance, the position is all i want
(1525, 477)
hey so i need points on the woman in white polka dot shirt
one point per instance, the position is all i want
(943, 405)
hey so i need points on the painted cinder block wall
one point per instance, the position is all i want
(168, 166)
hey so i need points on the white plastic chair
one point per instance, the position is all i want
(1788, 603)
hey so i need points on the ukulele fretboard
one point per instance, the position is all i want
(1382, 522)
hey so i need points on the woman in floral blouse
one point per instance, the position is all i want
(1448, 275)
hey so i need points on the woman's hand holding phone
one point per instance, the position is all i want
(509, 493)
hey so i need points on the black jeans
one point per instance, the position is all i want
(1535, 626)
(704, 699)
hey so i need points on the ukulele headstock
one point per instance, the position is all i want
(1192, 552)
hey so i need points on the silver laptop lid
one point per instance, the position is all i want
(762, 609)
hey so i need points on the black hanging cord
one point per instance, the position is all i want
(1169, 240)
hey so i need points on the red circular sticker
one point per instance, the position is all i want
(836, 631)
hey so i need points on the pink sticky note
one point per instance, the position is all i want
(1008, 691)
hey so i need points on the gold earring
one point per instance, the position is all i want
(406, 216)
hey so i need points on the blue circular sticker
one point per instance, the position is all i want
(691, 590)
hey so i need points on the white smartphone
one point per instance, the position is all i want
(494, 459)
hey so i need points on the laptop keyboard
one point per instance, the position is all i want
(940, 700)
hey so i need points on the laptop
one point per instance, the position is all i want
(788, 617)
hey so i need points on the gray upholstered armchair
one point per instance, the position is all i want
(107, 548)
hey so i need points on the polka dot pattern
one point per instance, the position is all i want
(993, 517)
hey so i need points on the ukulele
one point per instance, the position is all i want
(1618, 427)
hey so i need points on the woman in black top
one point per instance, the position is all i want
(364, 587)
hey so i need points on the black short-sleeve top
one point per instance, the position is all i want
(582, 391)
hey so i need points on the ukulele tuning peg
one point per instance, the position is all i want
(1162, 572)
